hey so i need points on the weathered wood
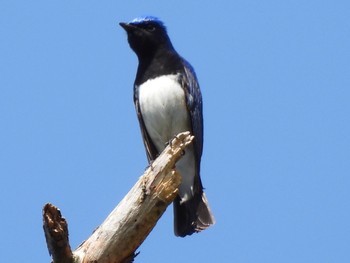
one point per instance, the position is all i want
(123, 231)
(56, 233)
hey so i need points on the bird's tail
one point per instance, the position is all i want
(192, 216)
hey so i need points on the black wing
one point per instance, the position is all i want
(151, 150)
(195, 108)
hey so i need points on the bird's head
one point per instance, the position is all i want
(146, 35)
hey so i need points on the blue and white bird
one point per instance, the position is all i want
(168, 101)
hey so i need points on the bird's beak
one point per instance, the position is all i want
(126, 26)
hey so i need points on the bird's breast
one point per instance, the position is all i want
(163, 109)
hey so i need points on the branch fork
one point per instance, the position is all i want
(128, 225)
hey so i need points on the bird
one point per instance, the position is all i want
(168, 101)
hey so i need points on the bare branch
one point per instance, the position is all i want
(56, 233)
(123, 231)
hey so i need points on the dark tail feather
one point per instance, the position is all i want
(192, 216)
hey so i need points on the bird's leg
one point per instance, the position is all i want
(150, 165)
(170, 143)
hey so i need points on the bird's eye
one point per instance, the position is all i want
(150, 28)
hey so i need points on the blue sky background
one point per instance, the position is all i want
(275, 78)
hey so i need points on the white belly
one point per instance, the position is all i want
(163, 107)
(164, 112)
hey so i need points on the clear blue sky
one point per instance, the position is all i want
(275, 78)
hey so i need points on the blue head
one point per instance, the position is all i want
(146, 35)
(147, 20)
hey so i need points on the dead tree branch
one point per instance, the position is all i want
(123, 231)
